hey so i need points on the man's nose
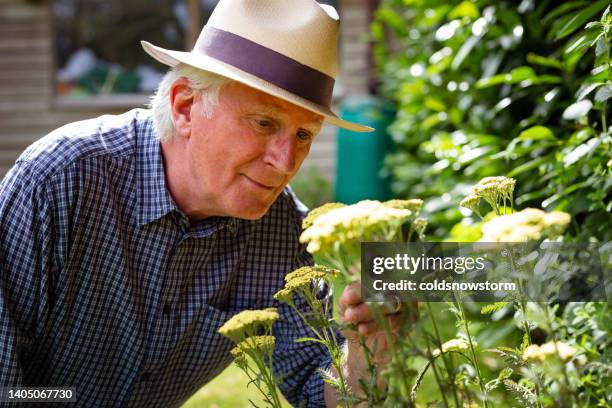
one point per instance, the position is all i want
(281, 153)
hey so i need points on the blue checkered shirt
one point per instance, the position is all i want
(105, 285)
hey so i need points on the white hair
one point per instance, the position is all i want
(206, 83)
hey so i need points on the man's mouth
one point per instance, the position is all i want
(260, 185)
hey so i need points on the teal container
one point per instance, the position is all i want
(361, 155)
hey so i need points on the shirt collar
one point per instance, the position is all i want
(154, 200)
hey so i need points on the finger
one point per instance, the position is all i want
(367, 328)
(350, 296)
(357, 314)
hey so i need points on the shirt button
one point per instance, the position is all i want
(167, 308)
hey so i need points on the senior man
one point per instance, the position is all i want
(127, 241)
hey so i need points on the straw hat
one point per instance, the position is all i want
(287, 49)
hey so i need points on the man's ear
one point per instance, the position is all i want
(182, 98)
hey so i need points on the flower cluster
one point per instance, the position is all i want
(551, 349)
(471, 202)
(317, 212)
(419, 226)
(246, 323)
(527, 225)
(302, 279)
(494, 190)
(452, 345)
(413, 204)
(311, 272)
(260, 344)
(364, 220)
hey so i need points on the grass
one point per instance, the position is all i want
(229, 389)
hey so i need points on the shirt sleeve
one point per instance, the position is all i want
(25, 254)
(298, 365)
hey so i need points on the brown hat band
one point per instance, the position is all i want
(267, 64)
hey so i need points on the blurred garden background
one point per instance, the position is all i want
(458, 91)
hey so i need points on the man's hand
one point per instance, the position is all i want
(360, 316)
(354, 311)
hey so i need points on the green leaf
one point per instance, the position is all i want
(599, 69)
(522, 73)
(601, 45)
(515, 76)
(464, 51)
(581, 151)
(431, 121)
(577, 110)
(527, 166)
(464, 9)
(392, 19)
(564, 8)
(505, 373)
(434, 104)
(536, 133)
(525, 395)
(491, 385)
(604, 93)
(579, 43)
(574, 187)
(547, 79)
(418, 380)
(492, 308)
(586, 89)
(544, 61)
(581, 18)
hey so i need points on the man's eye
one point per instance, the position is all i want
(304, 136)
(265, 123)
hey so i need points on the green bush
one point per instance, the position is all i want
(486, 88)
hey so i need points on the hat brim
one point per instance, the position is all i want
(206, 63)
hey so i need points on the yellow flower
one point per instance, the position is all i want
(548, 350)
(299, 282)
(259, 344)
(413, 204)
(316, 212)
(362, 221)
(301, 279)
(238, 356)
(452, 345)
(284, 295)
(492, 189)
(471, 202)
(313, 272)
(246, 323)
(531, 224)
(419, 226)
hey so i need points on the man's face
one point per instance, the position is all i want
(239, 160)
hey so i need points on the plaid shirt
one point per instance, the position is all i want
(105, 285)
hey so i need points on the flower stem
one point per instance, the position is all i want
(449, 369)
(469, 336)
